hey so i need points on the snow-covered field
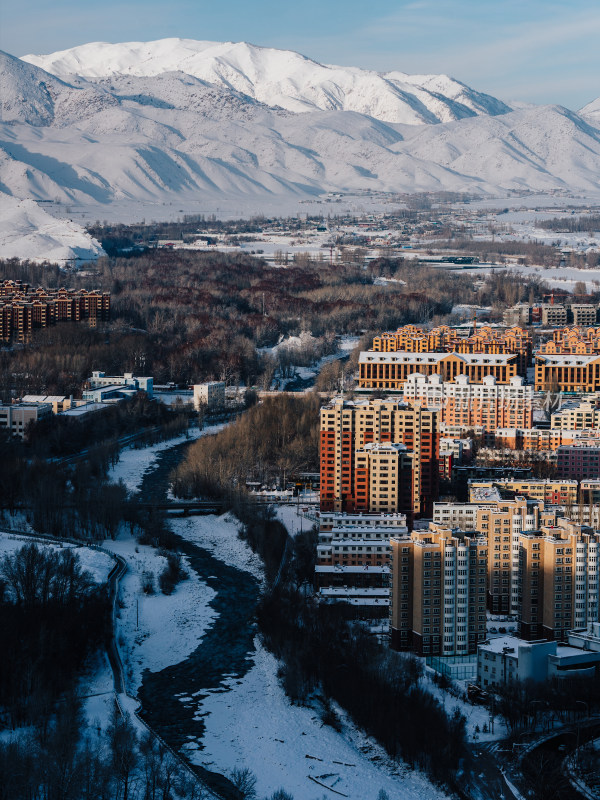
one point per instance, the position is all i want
(97, 563)
(156, 631)
(253, 725)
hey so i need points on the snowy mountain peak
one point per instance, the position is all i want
(281, 78)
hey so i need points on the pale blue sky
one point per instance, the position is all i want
(526, 50)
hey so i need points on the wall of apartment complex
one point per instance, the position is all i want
(576, 415)
(501, 522)
(567, 373)
(389, 371)
(487, 405)
(22, 309)
(539, 439)
(347, 427)
(578, 461)
(439, 581)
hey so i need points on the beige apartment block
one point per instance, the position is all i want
(439, 582)
(558, 568)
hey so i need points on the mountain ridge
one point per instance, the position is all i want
(173, 138)
(280, 78)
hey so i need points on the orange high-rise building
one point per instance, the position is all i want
(347, 427)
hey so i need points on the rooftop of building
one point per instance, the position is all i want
(339, 570)
(383, 447)
(484, 494)
(43, 398)
(567, 359)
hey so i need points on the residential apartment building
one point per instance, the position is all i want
(346, 426)
(488, 405)
(584, 314)
(353, 559)
(558, 573)
(578, 461)
(22, 309)
(439, 580)
(567, 373)
(553, 315)
(573, 340)
(576, 415)
(501, 522)
(389, 371)
(589, 491)
(211, 394)
(100, 380)
(539, 439)
(549, 491)
(383, 478)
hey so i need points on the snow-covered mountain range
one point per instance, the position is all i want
(177, 120)
(280, 78)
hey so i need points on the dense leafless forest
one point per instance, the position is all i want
(271, 443)
(187, 316)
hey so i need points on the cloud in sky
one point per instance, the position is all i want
(531, 51)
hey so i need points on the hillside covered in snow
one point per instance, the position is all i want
(27, 231)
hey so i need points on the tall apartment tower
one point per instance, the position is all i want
(439, 582)
(558, 570)
(349, 426)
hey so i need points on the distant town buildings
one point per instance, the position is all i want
(23, 310)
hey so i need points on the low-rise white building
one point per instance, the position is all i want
(211, 394)
(101, 379)
(17, 416)
(507, 659)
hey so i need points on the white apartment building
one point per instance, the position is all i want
(576, 415)
(462, 403)
(353, 558)
(211, 394)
